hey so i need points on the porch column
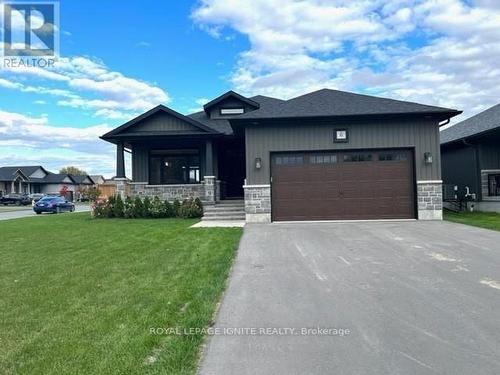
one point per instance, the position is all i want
(12, 187)
(20, 186)
(209, 178)
(209, 158)
(120, 160)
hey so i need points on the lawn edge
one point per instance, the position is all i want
(206, 338)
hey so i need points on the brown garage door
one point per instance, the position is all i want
(343, 185)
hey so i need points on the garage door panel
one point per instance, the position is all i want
(344, 187)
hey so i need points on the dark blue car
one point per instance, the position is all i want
(53, 204)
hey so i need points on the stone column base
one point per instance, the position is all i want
(257, 203)
(430, 200)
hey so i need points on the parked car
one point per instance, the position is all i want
(54, 205)
(17, 199)
(36, 196)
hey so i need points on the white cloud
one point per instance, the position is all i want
(32, 140)
(442, 52)
(88, 84)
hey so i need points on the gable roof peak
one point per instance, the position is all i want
(229, 94)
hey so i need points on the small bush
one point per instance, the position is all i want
(169, 209)
(190, 209)
(138, 207)
(128, 208)
(118, 207)
(146, 207)
(157, 208)
(176, 207)
(111, 204)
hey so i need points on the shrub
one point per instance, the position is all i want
(138, 207)
(190, 209)
(146, 207)
(157, 208)
(118, 207)
(100, 208)
(169, 209)
(111, 205)
(176, 206)
(128, 208)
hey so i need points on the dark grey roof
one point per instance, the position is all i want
(8, 173)
(230, 94)
(81, 179)
(330, 103)
(56, 178)
(480, 123)
(222, 125)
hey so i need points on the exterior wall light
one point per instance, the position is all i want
(258, 163)
(428, 158)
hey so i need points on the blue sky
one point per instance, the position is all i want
(118, 59)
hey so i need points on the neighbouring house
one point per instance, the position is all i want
(471, 159)
(36, 179)
(324, 155)
(98, 179)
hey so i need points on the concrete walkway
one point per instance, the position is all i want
(398, 298)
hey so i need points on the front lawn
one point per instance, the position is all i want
(488, 220)
(79, 296)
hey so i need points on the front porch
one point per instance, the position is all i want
(211, 169)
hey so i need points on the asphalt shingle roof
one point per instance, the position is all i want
(482, 122)
(328, 102)
(223, 125)
(7, 173)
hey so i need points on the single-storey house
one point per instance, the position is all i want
(471, 159)
(36, 179)
(325, 155)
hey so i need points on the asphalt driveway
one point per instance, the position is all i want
(15, 212)
(398, 298)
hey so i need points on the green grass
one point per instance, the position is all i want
(488, 220)
(79, 296)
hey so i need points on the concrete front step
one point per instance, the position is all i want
(223, 208)
(223, 218)
(222, 214)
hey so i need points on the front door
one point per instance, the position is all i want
(231, 161)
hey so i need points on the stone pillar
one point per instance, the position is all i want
(430, 200)
(120, 160)
(257, 203)
(210, 189)
(121, 187)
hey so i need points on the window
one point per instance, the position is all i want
(290, 160)
(357, 157)
(340, 135)
(392, 156)
(323, 159)
(174, 167)
(232, 111)
(494, 185)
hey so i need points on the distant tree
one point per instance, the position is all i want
(73, 170)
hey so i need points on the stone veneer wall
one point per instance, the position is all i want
(206, 192)
(430, 200)
(257, 203)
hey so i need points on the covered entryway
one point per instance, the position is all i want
(343, 185)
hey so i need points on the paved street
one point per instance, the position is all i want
(417, 298)
(14, 212)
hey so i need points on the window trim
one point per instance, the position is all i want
(341, 140)
(240, 111)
